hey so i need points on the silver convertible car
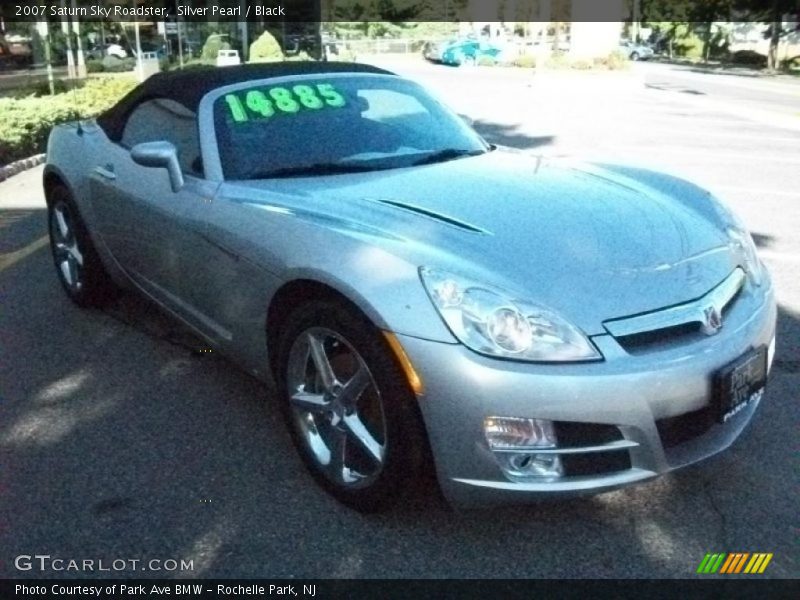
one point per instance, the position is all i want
(422, 299)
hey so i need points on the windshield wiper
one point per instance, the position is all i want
(314, 169)
(445, 155)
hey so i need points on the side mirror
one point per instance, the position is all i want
(160, 155)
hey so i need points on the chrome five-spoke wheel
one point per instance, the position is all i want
(66, 252)
(350, 409)
(77, 263)
(337, 407)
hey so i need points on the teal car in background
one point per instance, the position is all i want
(469, 52)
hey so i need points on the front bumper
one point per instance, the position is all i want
(658, 402)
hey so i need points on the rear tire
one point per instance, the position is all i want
(350, 411)
(77, 263)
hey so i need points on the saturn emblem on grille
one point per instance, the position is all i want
(712, 320)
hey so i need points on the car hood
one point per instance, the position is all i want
(587, 241)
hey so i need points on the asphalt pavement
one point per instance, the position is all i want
(122, 438)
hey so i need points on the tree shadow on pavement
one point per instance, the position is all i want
(510, 135)
(763, 240)
(674, 88)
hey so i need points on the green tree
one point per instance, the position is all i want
(265, 49)
(687, 21)
(771, 13)
(213, 45)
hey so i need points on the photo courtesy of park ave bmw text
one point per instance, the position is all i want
(336, 298)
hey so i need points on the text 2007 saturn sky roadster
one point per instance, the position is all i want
(422, 299)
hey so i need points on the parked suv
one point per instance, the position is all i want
(636, 51)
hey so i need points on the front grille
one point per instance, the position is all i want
(574, 435)
(680, 324)
(683, 428)
(596, 463)
(650, 340)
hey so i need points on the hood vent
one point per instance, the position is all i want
(437, 216)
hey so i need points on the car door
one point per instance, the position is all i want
(153, 231)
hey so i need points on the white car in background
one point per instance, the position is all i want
(116, 50)
(636, 51)
(227, 58)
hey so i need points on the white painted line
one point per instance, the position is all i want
(759, 85)
(756, 191)
(713, 155)
(635, 126)
(775, 119)
(779, 256)
(6, 260)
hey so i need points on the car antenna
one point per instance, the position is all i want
(74, 85)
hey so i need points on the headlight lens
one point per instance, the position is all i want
(488, 321)
(743, 244)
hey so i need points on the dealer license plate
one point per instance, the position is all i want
(739, 383)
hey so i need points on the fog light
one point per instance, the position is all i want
(543, 466)
(515, 441)
(515, 433)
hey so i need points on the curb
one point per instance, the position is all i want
(19, 166)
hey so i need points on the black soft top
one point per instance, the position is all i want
(187, 87)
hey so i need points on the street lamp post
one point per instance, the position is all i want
(180, 41)
(44, 33)
(139, 64)
(81, 62)
(243, 33)
(65, 29)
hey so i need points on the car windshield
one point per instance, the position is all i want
(334, 124)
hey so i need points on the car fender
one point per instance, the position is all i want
(70, 151)
(363, 263)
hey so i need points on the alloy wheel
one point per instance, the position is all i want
(66, 251)
(337, 407)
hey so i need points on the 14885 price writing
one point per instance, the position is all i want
(265, 103)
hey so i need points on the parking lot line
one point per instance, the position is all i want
(676, 127)
(7, 260)
(714, 156)
(779, 256)
(757, 191)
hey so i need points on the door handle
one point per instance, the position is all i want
(106, 171)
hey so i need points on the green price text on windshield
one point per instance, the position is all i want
(265, 103)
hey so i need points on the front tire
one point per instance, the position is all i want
(77, 263)
(351, 414)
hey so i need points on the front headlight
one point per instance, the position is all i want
(744, 246)
(741, 242)
(488, 321)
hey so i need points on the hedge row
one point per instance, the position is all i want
(25, 123)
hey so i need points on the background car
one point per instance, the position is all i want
(433, 51)
(636, 51)
(100, 51)
(15, 54)
(469, 52)
(152, 48)
(424, 302)
(227, 58)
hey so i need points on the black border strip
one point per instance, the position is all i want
(699, 11)
(727, 587)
